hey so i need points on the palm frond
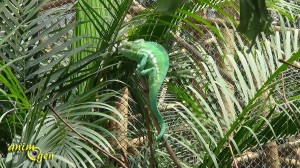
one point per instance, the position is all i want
(224, 119)
(34, 77)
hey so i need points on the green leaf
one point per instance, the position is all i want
(169, 6)
(254, 19)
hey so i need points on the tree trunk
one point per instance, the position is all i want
(272, 157)
(121, 131)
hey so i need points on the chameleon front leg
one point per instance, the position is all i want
(142, 64)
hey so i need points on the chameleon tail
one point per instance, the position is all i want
(152, 98)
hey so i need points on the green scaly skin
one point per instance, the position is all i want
(153, 63)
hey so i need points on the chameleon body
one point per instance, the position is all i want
(153, 63)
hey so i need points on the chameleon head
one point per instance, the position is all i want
(129, 49)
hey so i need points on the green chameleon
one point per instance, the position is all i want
(153, 62)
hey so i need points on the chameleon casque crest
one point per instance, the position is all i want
(153, 63)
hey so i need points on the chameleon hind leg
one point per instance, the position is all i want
(146, 71)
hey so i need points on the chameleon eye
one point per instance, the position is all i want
(128, 46)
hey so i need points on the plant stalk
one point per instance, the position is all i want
(167, 144)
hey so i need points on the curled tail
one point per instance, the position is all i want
(153, 103)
